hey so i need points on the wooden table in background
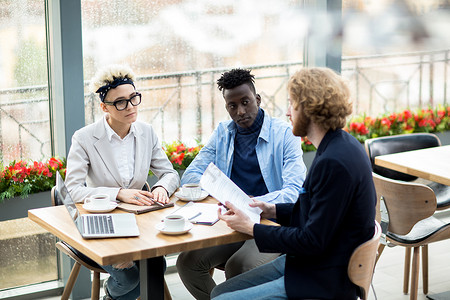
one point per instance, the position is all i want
(431, 163)
(149, 248)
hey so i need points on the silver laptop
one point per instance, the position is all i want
(96, 225)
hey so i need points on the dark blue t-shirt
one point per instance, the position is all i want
(246, 172)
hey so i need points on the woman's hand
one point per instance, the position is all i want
(269, 210)
(133, 196)
(160, 195)
(237, 219)
(140, 197)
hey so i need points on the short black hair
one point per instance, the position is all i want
(234, 78)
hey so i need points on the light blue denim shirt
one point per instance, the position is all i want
(279, 155)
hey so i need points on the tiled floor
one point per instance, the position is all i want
(176, 287)
(388, 277)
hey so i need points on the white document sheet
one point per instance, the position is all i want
(217, 184)
(199, 213)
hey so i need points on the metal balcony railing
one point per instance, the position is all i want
(187, 105)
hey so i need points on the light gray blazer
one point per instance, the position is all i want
(92, 169)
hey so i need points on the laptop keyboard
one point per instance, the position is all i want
(99, 224)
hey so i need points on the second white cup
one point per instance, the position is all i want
(191, 190)
(174, 223)
(98, 201)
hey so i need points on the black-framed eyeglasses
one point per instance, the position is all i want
(122, 104)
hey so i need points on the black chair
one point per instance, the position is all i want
(82, 260)
(407, 142)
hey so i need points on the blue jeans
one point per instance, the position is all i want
(263, 282)
(123, 284)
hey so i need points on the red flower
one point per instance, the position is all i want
(22, 178)
(385, 122)
(392, 117)
(362, 129)
(178, 159)
(180, 148)
(407, 114)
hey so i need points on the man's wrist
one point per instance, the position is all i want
(250, 229)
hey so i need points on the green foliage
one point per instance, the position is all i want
(21, 178)
(179, 155)
(424, 120)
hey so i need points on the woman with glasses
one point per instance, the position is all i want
(113, 156)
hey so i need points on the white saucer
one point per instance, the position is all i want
(111, 207)
(180, 196)
(187, 226)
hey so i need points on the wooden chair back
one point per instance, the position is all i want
(407, 203)
(53, 196)
(362, 263)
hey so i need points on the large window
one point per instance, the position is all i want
(24, 113)
(186, 45)
(27, 252)
(396, 53)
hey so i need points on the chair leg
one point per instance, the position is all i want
(406, 270)
(71, 281)
(415, 273)
(95, 289)
(167, 295)
(380, 250)
(425, 268)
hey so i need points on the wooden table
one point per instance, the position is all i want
(149, 248)
(431, 163)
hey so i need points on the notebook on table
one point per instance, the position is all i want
(138, 209)
(96, 225)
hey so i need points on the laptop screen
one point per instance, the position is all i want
(64, 197)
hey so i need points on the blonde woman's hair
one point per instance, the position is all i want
(323, 95)
(108, 74)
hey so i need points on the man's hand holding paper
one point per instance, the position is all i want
(216, 183)
(237, 219)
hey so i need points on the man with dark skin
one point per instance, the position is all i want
(334, 213)
(258, 153)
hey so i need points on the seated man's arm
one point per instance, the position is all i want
(198, 166)
(293, 172)
(329, 203)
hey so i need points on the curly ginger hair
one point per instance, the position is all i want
(323, 95)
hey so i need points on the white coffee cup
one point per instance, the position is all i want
(98, 201)
(191, 190)
(174, 223)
